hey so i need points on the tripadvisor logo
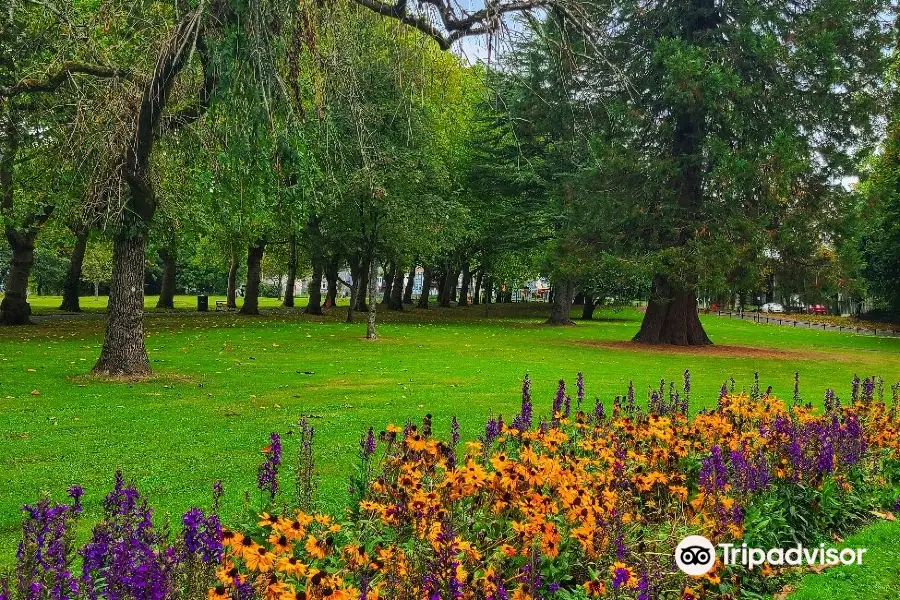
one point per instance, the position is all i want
(695, 555)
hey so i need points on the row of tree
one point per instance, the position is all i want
(621, 149)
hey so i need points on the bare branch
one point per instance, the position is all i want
(54, 80)
(455, 24)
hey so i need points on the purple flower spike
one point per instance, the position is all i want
(579, 386)
(368, 444)
(454, 431)
(560, 397)
(523, 420)
(267, 476)
(76, 492)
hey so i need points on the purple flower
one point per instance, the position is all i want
(454, 431)
(852, 444)
(218, 492)
(44, 555)
(560, 397)
(579, 386)
(368, 444)
(713, 474)
(267, 476)
(620, 577)
(492, 431)
(76, 492)
(797, 400)
(869, 389)
(644, 587)
(599, 411)
(897, 505)
(202, 535)
(125, 557)
(523, 420)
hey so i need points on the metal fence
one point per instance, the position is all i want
(771, 319)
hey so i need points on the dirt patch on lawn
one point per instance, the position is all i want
(723, 351)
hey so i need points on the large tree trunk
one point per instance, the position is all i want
(452, 282)
(671, 316)
(587, 310)
(291, 274)
(254, 273)
(70, 300)
(331, 275)
(363, 288)
(167, 291)
(314, 306)
(411, 279)
(15, 310)
(464, 288)
(476, 292)
(388, 282)
(371, 333)
(123, 350)
(444, 293)
(356, 279)
(441, 284)
(426, 288)
(488, 289)
(231, 292)
(563, 295)
(396, 299)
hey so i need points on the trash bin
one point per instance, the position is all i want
(202, 303)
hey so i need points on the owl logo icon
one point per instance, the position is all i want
(695, 555)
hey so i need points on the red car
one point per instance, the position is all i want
(817, 309)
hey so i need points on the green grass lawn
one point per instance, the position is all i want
(49, 305)
(224, 381)
(877, 578)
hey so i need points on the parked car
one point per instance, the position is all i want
(771, 307)
(817, 309)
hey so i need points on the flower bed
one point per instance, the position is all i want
(579, 504)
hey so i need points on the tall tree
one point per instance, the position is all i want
(710, 120)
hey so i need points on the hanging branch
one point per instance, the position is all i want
(56, 79)
(456, 24)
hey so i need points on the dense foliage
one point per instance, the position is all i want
(672, 152)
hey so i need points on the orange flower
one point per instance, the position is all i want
(595, 588)
(291, 565)
(415, 442)
(280, 543)
(218, 593)
(315, 547)
(259, 559)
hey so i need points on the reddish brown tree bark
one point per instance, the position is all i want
(671, 317)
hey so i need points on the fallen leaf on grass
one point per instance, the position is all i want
(885, 516)
(783, 593)
(35, 392)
